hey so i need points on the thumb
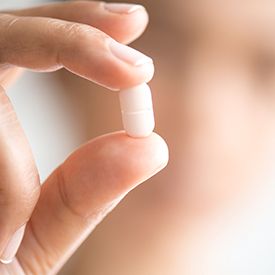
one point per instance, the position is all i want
(77, 196)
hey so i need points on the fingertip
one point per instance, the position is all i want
(122, 67)
(124, 79)
(140, 158)
(136, 21)
(120, 161)
(124, 22)
(161, 149)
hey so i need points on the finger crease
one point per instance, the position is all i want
(12, 22)
(63, 194)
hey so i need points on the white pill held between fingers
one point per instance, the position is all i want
(137, 111)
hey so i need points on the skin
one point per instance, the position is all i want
(214, 103)
(217, 87)
(77, 195)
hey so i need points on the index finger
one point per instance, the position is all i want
(45, 44)
(123, 22)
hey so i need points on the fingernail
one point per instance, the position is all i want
(13, 245)
(122, 8)
(129, 55)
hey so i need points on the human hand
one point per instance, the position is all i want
(57, 217)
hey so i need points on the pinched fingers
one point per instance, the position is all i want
(47, 44)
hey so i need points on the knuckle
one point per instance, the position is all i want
(76, 29)
(69, 29)
(82, 32)
(74, 35)
(7, 24)
(7, 20)
(79, 32)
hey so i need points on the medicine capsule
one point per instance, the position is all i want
(137, 111)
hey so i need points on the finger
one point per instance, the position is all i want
(123, 22)
(19, 183)
(9, 75)
(50, 44)
(82, 191)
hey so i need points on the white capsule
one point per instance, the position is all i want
(137, 111)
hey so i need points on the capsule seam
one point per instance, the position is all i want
(136, 112)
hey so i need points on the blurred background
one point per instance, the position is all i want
(211, 212)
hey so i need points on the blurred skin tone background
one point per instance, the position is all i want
(211, 211)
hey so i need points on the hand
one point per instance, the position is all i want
(57, 217)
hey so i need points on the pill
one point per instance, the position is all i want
(137, 111)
